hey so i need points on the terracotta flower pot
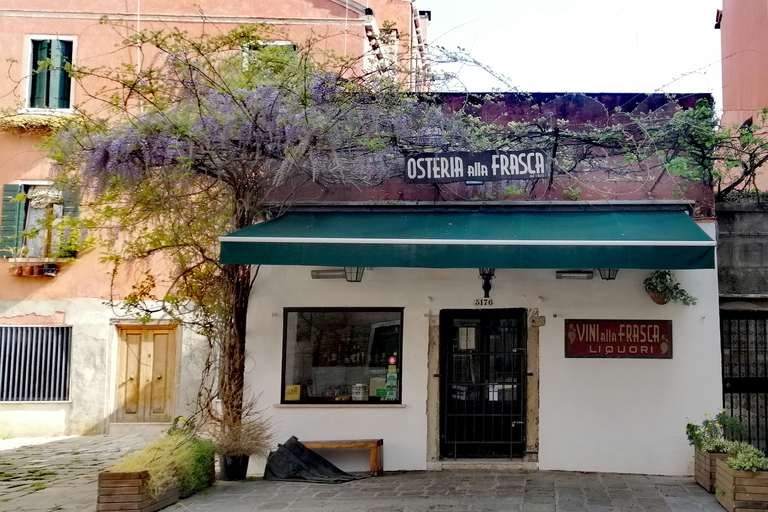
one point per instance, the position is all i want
(658, 298)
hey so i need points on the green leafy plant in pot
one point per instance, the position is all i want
(662, 287)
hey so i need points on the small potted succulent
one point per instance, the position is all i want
(662, 287)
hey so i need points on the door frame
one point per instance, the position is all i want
(534, 324)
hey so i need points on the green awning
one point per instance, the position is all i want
(472, 239)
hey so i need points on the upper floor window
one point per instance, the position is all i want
(32, 217)
(51, 85)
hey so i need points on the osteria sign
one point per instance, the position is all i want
(619, 338)
(456, 166)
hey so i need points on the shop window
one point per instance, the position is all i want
(342, 356)
(32, 216)
(34, 363)
(51, 85)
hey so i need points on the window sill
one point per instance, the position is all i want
(39, 402)
(345, 405)
(37, 261)
(47, 111)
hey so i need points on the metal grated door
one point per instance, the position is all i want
(483, 360)
(744, 341)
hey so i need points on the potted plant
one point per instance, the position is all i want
(742, 479)
(171, 467)
(662, 287)
(238, 437)
(710, 440)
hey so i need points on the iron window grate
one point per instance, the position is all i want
(34, 363)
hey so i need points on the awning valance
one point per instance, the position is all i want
(472, 239)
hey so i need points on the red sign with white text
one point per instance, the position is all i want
(619, 338)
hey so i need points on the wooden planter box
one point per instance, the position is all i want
(704, 467)
(741, 491)
(127, 491)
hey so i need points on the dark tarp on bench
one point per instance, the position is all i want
(294, 461)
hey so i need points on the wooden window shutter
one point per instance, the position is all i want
(61, 83)
(12, 223)
(41, 52)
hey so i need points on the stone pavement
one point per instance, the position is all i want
(62, 475)
(464, 490)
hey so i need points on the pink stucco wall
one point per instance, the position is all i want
(744, 43)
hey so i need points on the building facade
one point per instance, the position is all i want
(68, 363)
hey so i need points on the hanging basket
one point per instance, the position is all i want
(658, 298)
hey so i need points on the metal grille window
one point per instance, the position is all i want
(34, 363)
(744, 336)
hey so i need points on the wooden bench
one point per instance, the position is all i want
(374, 445)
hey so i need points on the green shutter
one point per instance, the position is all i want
(41, 52)
(61, 83)
(12, 224)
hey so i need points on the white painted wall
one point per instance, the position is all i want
(92, 372)
(614, 415)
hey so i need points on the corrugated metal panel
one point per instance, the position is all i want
(34, 363)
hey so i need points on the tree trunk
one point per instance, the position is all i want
(237, 283)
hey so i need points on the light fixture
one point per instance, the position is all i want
(574, 274)
(609, 274)
(486, 274)
(328, 274)
(354, 274)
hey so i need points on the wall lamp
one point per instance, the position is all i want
(574, 274)
(351, 274)
(486, 274)
(609, 274)
(354, 274)
(328, 274)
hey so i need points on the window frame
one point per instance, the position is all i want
(30, 63)
(13, 217)
(346, 403)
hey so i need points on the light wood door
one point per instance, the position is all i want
(146, 375)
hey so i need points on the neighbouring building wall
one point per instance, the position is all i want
(93, 387)
(742, 249)
(744, 41)
(618, 415)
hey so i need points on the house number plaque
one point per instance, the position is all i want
(619, 338)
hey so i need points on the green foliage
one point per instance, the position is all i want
(573, 192)
(175, 459)
(35, 124)
(746, 457)
(715, 434)
(663, 282)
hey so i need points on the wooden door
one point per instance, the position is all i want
(146, 374)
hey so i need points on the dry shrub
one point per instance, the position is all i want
(253, 436)
(176, 459)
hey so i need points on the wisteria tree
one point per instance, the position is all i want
(192, 147)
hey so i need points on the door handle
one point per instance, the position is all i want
(159, 377)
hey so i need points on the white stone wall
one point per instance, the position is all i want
(618, 415)
(92, 372)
